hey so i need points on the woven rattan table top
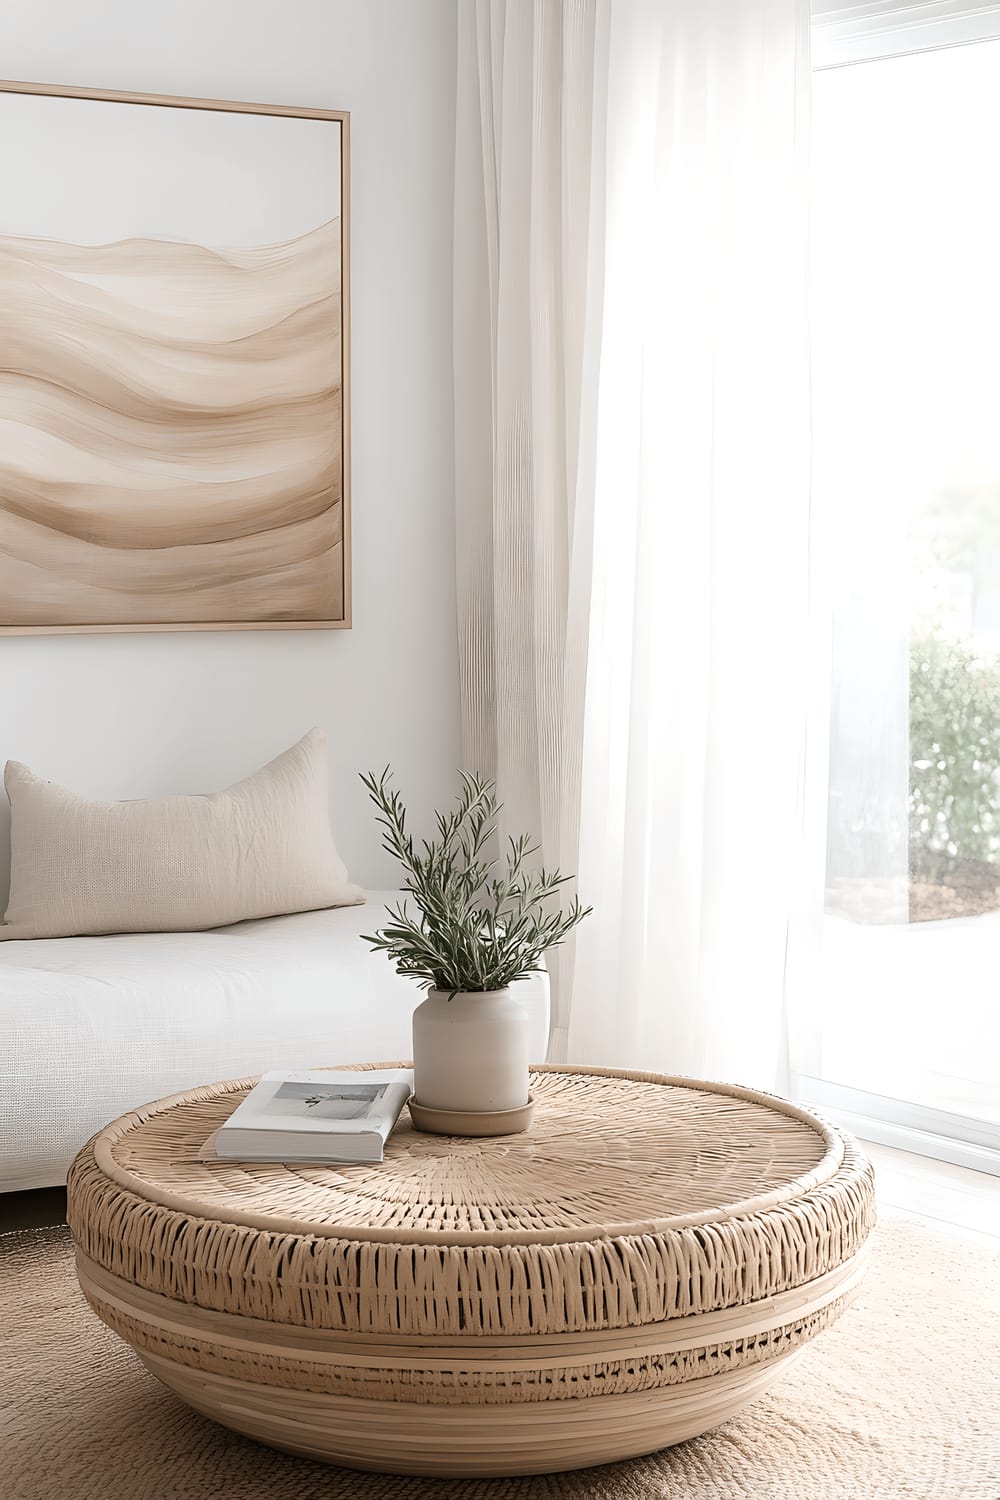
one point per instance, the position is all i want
(608, 1154)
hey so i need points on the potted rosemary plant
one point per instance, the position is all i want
(480, 924)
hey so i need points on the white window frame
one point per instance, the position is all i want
(906, 1126)
(873, 29)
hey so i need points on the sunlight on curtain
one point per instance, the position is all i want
(690, 800)
(633, 561)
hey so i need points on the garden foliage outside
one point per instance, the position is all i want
(954, 773)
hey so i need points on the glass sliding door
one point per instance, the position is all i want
(906, 384)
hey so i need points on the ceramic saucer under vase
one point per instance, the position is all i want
(472, 1121)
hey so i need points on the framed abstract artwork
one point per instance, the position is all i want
(174, 384)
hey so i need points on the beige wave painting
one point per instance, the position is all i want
(171, 433)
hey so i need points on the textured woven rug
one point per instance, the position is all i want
(898, 1401)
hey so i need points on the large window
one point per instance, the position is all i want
(906, 349)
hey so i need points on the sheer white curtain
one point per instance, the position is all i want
(632, 468)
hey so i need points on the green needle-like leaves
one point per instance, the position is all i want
(480, 924)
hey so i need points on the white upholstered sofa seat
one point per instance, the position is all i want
(90, 1027)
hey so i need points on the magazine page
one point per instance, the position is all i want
(325, 1116)
(324, 1100)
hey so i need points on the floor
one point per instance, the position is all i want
(954, 1198)
(965, 1202)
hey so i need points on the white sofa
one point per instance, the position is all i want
(90, 1027)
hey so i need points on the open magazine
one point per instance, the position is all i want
(314, 1117)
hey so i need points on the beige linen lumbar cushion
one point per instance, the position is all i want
(174, 864)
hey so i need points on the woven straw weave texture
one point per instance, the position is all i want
(898, 1401)
(624, 1275)
(632, 1199)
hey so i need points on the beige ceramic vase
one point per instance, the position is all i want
(470, 1052)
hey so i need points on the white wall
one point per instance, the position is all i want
(134, 715)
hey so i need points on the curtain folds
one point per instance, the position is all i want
(632, 507)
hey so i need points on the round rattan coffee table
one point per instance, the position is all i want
(625, 1275)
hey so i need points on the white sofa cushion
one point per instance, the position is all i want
(91, 1027)
(172, 864)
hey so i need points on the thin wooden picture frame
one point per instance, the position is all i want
(231, 106)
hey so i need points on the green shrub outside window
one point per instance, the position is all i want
(954, 747)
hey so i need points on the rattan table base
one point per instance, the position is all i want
(623, 1276)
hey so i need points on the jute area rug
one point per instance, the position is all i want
(899, 1401)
